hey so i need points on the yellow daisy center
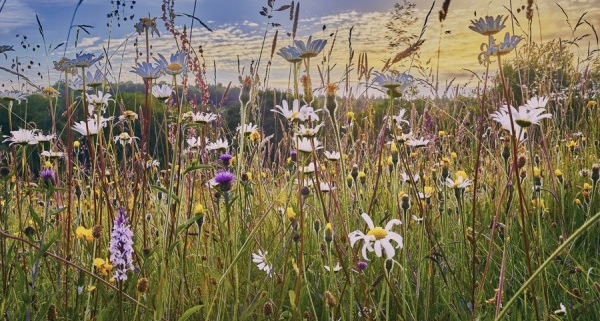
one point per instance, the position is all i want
(294, 114)
(174, 66)
(378, 232)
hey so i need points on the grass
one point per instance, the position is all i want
(463, 219)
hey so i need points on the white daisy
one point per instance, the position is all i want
(219, 144)
(22, 137)
(421, 142)
(306, 144)
(162, 92)
(289, 114)
(562, 311)
(92, 125)
(377, 238)
(247, 129)
(50, 154)
(304, 131)
(202, 118)
(336, 268)
(332, 156)
(260, 260)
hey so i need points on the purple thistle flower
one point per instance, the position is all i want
(47, 175)
(224, 180)
(121, 246)
(360, 266)
(293, 155)
(226, 159)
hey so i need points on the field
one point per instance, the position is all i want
(364, 198)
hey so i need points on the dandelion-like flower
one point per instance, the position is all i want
(84, 60)
(92, 127)
(22, 137)
(84, 233)
(311, 48)
(174, 66)
(147, 23)
(162, 92)
(488, 26)
(260, 259)
(377, 239)
(147, 71)
(290, 53)
(121, 246)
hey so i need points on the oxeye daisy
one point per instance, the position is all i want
(307, 145)
(95, 79)
(247, 129)
(92, 127)
(304, 131)
(97, 102)
(332, 156)
(22, 137)
(488, 26)
(147, 24)
(291, 54)
(312, 47)
(219, 144)
(174, 66)
(128, 115)
(12, 96)
(124, 138)
(202, 118)
(377, 239)
(421, 142)
(84, 60)
(147, 71)
(289, 114)
(394, 82)
(162, 92)
(260, 259)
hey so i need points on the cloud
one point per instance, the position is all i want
(250, 24)
(14, 16)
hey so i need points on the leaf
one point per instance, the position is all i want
(188, 223)
(46, 246)
(56, 211)
(168, 193)
(40, 28)
(194, 18)
(284, 7)
(292, 296)
(196, 167)
(36, 218)
(188, 313)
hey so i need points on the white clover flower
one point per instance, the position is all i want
(377, 239)
(260, 260)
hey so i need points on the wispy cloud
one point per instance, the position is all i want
(14, 16)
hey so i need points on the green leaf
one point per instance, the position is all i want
(196, 167)
(36, 218)
(168, 193)
(188, 313)
(188, 223)
(292, 296)
(47, 245)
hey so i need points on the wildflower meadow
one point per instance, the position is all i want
(355, 190)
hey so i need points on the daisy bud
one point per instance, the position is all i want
(595, 173)
(405, 202)
(328, 233)
(317, 226)
(521, 162)
(389, 264)
(354, 171)
(506, 152)
(349, 180)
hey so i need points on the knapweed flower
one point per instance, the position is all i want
(92, 126)
(377, 239)
(219, 144)
(96, 79)
(260, 259)
(162, 92)
(224, 180)
(290, 54)
(47, 175)
(121, 246)
(174, 66)
(311, 48)
(146, 24)
(147, 71)
(226, 159)
(22, 137)
(12, 96)
(84, 60)
(394, 82)
(84, 233)
(307, 145)
(488, 26)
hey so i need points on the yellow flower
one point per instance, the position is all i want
(47, 164)
(350, 115)
(441, 133)
(537, 172)
(393, 148)
(103, 266)
(460, 174)
(291, 214)
(83, 233)
(453, 155)
(255, 136)
(592, 104)
(249, 176)
(558, 173)
(76, 144)
(199, 209)
(587, 187)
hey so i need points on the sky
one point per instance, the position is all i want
(239, 31)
